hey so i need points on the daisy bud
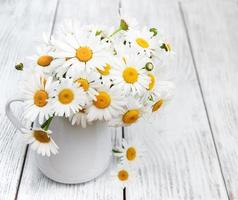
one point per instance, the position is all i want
(154, 31)
(166, 47)
(149, 66)
(123, 25)
(19, 66)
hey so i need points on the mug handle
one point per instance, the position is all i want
(14, 120)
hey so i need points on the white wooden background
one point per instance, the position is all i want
(192, 150)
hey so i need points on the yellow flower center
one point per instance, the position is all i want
(123, 175)
(83, 83)
(44, 60)
(142, 42)
(40, 98)
(130, 75)
(84, 54)
(157, 105)
(66, 96)
(131, 116)
(41, 136)
(106, 70)
(131, 153)
(103, 100)
(152, 81)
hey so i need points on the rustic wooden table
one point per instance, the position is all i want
(192, 149)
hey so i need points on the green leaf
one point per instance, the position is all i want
(116, 151)
(46, 124)
(154, 31)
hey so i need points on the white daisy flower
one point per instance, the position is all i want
(143, 41)
(160, 96)
(80, 118)
(109, 104)
(132, 112)
(69, 98)
(88, 81)
(130, 76)
(40, 141)
(123, 176)
(83, 50)
(42, 60)
(130, 153)
(37, 92)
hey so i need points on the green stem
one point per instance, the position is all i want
(115, 32)
(46, 124)
(116, 151)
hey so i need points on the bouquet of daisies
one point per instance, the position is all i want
(89, 73)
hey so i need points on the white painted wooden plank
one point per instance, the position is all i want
(36, 186)
(214, 41)
(181, 161)
(20, 22)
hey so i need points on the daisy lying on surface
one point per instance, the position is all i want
(87, 73)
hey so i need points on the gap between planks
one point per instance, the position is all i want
(122, 129)
(201, 91)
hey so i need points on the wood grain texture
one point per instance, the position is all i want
(34, 184)
(181, 161)
(20, 22)
(214, 42)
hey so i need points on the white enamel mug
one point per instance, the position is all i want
(84, 153)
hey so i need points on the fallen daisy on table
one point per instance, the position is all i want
(130, 153)
(123, 175)
(40, 141)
